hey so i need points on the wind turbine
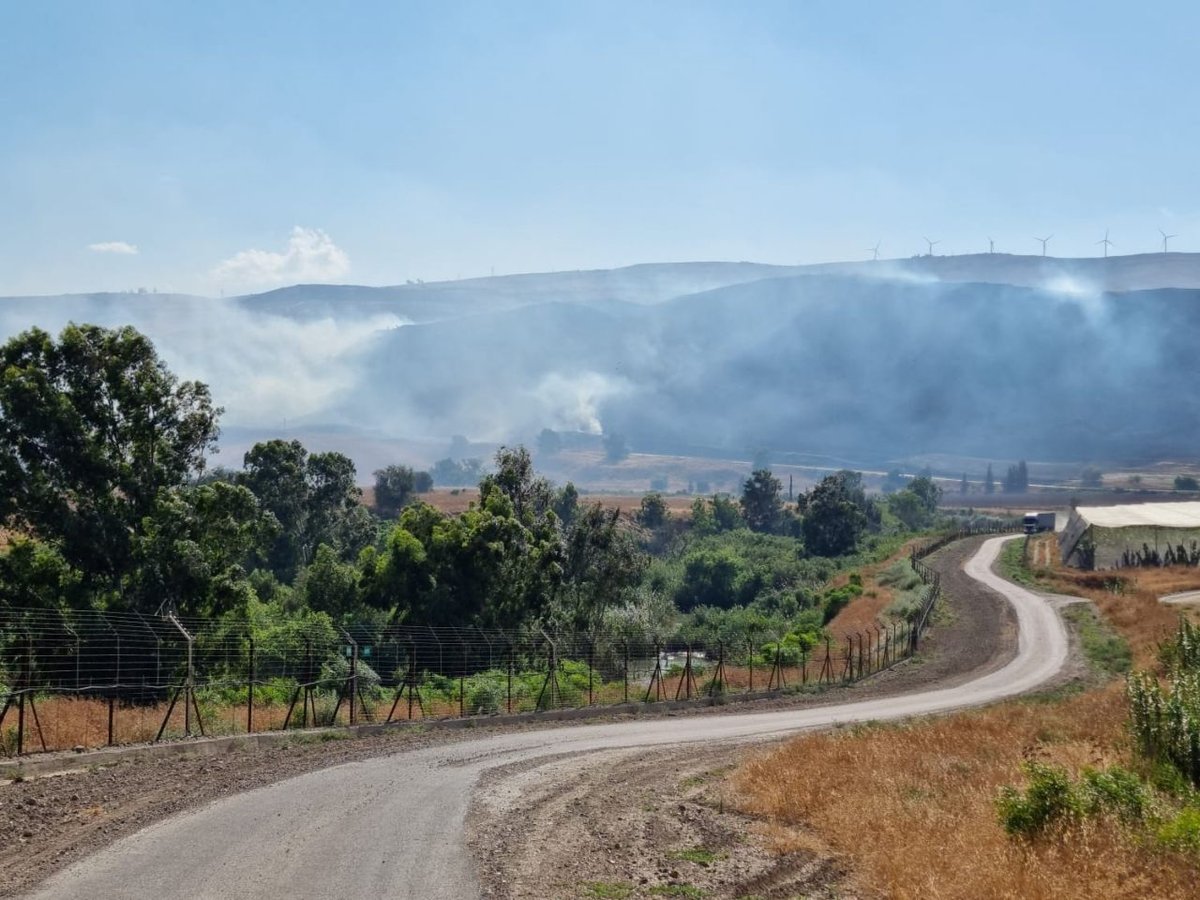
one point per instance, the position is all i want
(1166, 237)
(931, 244)
(991, 246)
(874, 251)
(1044, 241)
(1106, 242)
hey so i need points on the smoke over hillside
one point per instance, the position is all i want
(870, 361)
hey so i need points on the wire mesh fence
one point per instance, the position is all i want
(87, 679)
(71, 679)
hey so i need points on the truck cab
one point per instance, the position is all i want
(1036, 522)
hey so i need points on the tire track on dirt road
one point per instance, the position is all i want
(394, 826)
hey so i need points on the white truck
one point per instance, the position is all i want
(1036, 522)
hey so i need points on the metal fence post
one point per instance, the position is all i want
(591, 665)
(626, 669)
(250, 688)
(750, 642)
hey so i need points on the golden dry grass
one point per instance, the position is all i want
(453, 501)
(912, 807)
(1128, 598)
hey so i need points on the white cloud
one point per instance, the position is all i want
(310, 256)
(120, 247)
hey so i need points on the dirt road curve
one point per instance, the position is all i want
(394, 826)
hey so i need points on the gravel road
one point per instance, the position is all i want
(394, 826)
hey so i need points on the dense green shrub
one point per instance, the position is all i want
(1052, 799)
(1181, 831)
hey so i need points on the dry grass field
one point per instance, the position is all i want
(911, 807)
(457, 500)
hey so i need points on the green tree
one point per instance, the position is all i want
(927, 491)
(906, 506)
(395, 488)
(484, 567)
(192, 550)
(762, 503)
(314, 499)
(653, 512)
(457, 473)
(1016, 481)
(601, 569)
(1091, 477)
(710, 578)
(703, 520)
(329, 585)
(92, 427)
(964, 486)
(726, 514)
(33, 574)
(989, 481)
(531, 495)
(566, 504)
(836, 514)
(1186, 483)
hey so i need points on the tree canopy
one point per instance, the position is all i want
(93, 426)
(762, 503)
(836, 513)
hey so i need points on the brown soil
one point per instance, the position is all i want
(636, 824)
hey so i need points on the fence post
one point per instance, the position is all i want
(112, 712)
(353, 677)
(250, 688)
(591, 665)
(462, 678)
(750, 641)
(25, 676)
(626, 674)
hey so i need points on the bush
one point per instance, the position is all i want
(1182, 832)
(1114, 791)
(1052, 799)
(486, 693)
(1048, 800)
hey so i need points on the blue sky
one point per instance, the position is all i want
(239, 146)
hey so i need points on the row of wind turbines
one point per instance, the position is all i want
(1105, 242)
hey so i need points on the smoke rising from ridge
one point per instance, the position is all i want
(869, 362)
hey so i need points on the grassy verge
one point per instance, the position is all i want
(1107, 652)
(1013, 565)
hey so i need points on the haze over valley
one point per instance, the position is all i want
(983, 356)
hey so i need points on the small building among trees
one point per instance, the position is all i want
(1135, 534)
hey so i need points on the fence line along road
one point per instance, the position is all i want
(87, 678)
(395, 825)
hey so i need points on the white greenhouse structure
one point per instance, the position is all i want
(1110, 537)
